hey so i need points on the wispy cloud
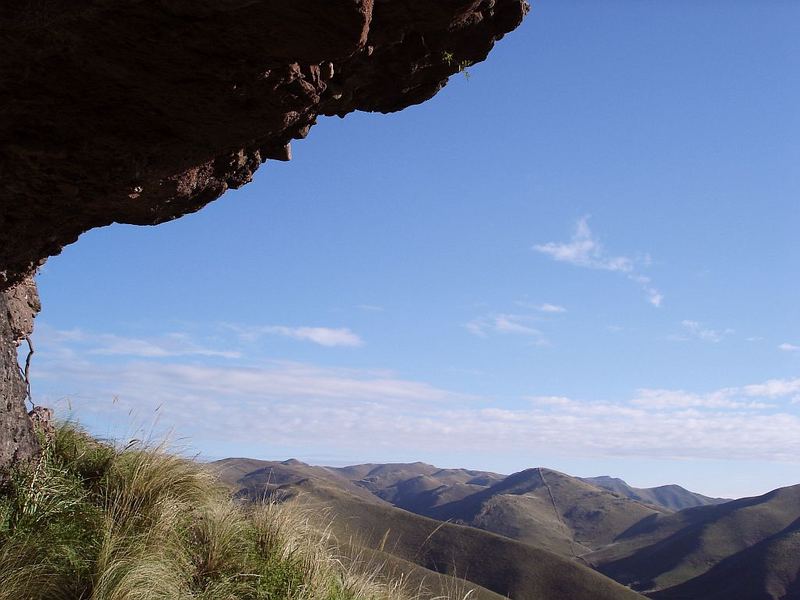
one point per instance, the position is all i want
(551, 401)
(551, 308)
(504, 323)
(774, 388)
(323, 336)
(165, 346)
(293, 407)
(787, 347)
(543, 308)
(301, 407)
(698, 331)
(585, 250)
(669, 399)
(370, 307)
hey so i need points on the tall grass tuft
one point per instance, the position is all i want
(90, 521)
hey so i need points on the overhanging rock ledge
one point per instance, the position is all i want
(141, 111)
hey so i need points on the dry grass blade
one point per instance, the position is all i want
(91, 521)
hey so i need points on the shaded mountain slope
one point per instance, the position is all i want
(746, 549)
(418, 487)
(671, 497)
(504, 566)
(747, 544)
(548, 509)
(770, 569)
(541, 507)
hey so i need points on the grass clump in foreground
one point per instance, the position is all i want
(90, 521)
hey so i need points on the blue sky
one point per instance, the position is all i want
(583, 256)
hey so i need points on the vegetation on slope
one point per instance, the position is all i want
(90, 521)
(498, 566)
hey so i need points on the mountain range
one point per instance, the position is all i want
(542, 534)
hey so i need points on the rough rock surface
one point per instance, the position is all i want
(18, 306)
(141, 111)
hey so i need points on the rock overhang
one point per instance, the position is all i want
(141, 111)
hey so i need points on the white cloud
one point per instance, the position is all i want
(515, 323)
(305, 407)
(505, 324)
(551, 401)
(670, 399)
(696, 330)
(585, 250)
(370, 307)
(787, 347)
(774, 388)
(654, 297)
(267, 381)
(552, 308)
(289, 407)
(544, 308)
(324, 336)
(165, 346)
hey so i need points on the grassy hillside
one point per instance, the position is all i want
(671, 497)
(90, 521)
(748, 544)
(249, 474)
(770, 569)
(548, 509)
(743, 550)
(501, 565)
(418, 487)
(544, 508)
(416, 577)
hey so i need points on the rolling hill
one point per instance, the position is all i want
(548, 509)
(495, 566)
(419, 487)
(523, 527)
(541, 507)
(744, 549)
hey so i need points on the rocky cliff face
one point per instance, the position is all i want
(18, 306)
(140, 111)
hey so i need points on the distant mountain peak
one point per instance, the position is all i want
(672, 496)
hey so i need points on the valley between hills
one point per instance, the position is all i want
(540, 533)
